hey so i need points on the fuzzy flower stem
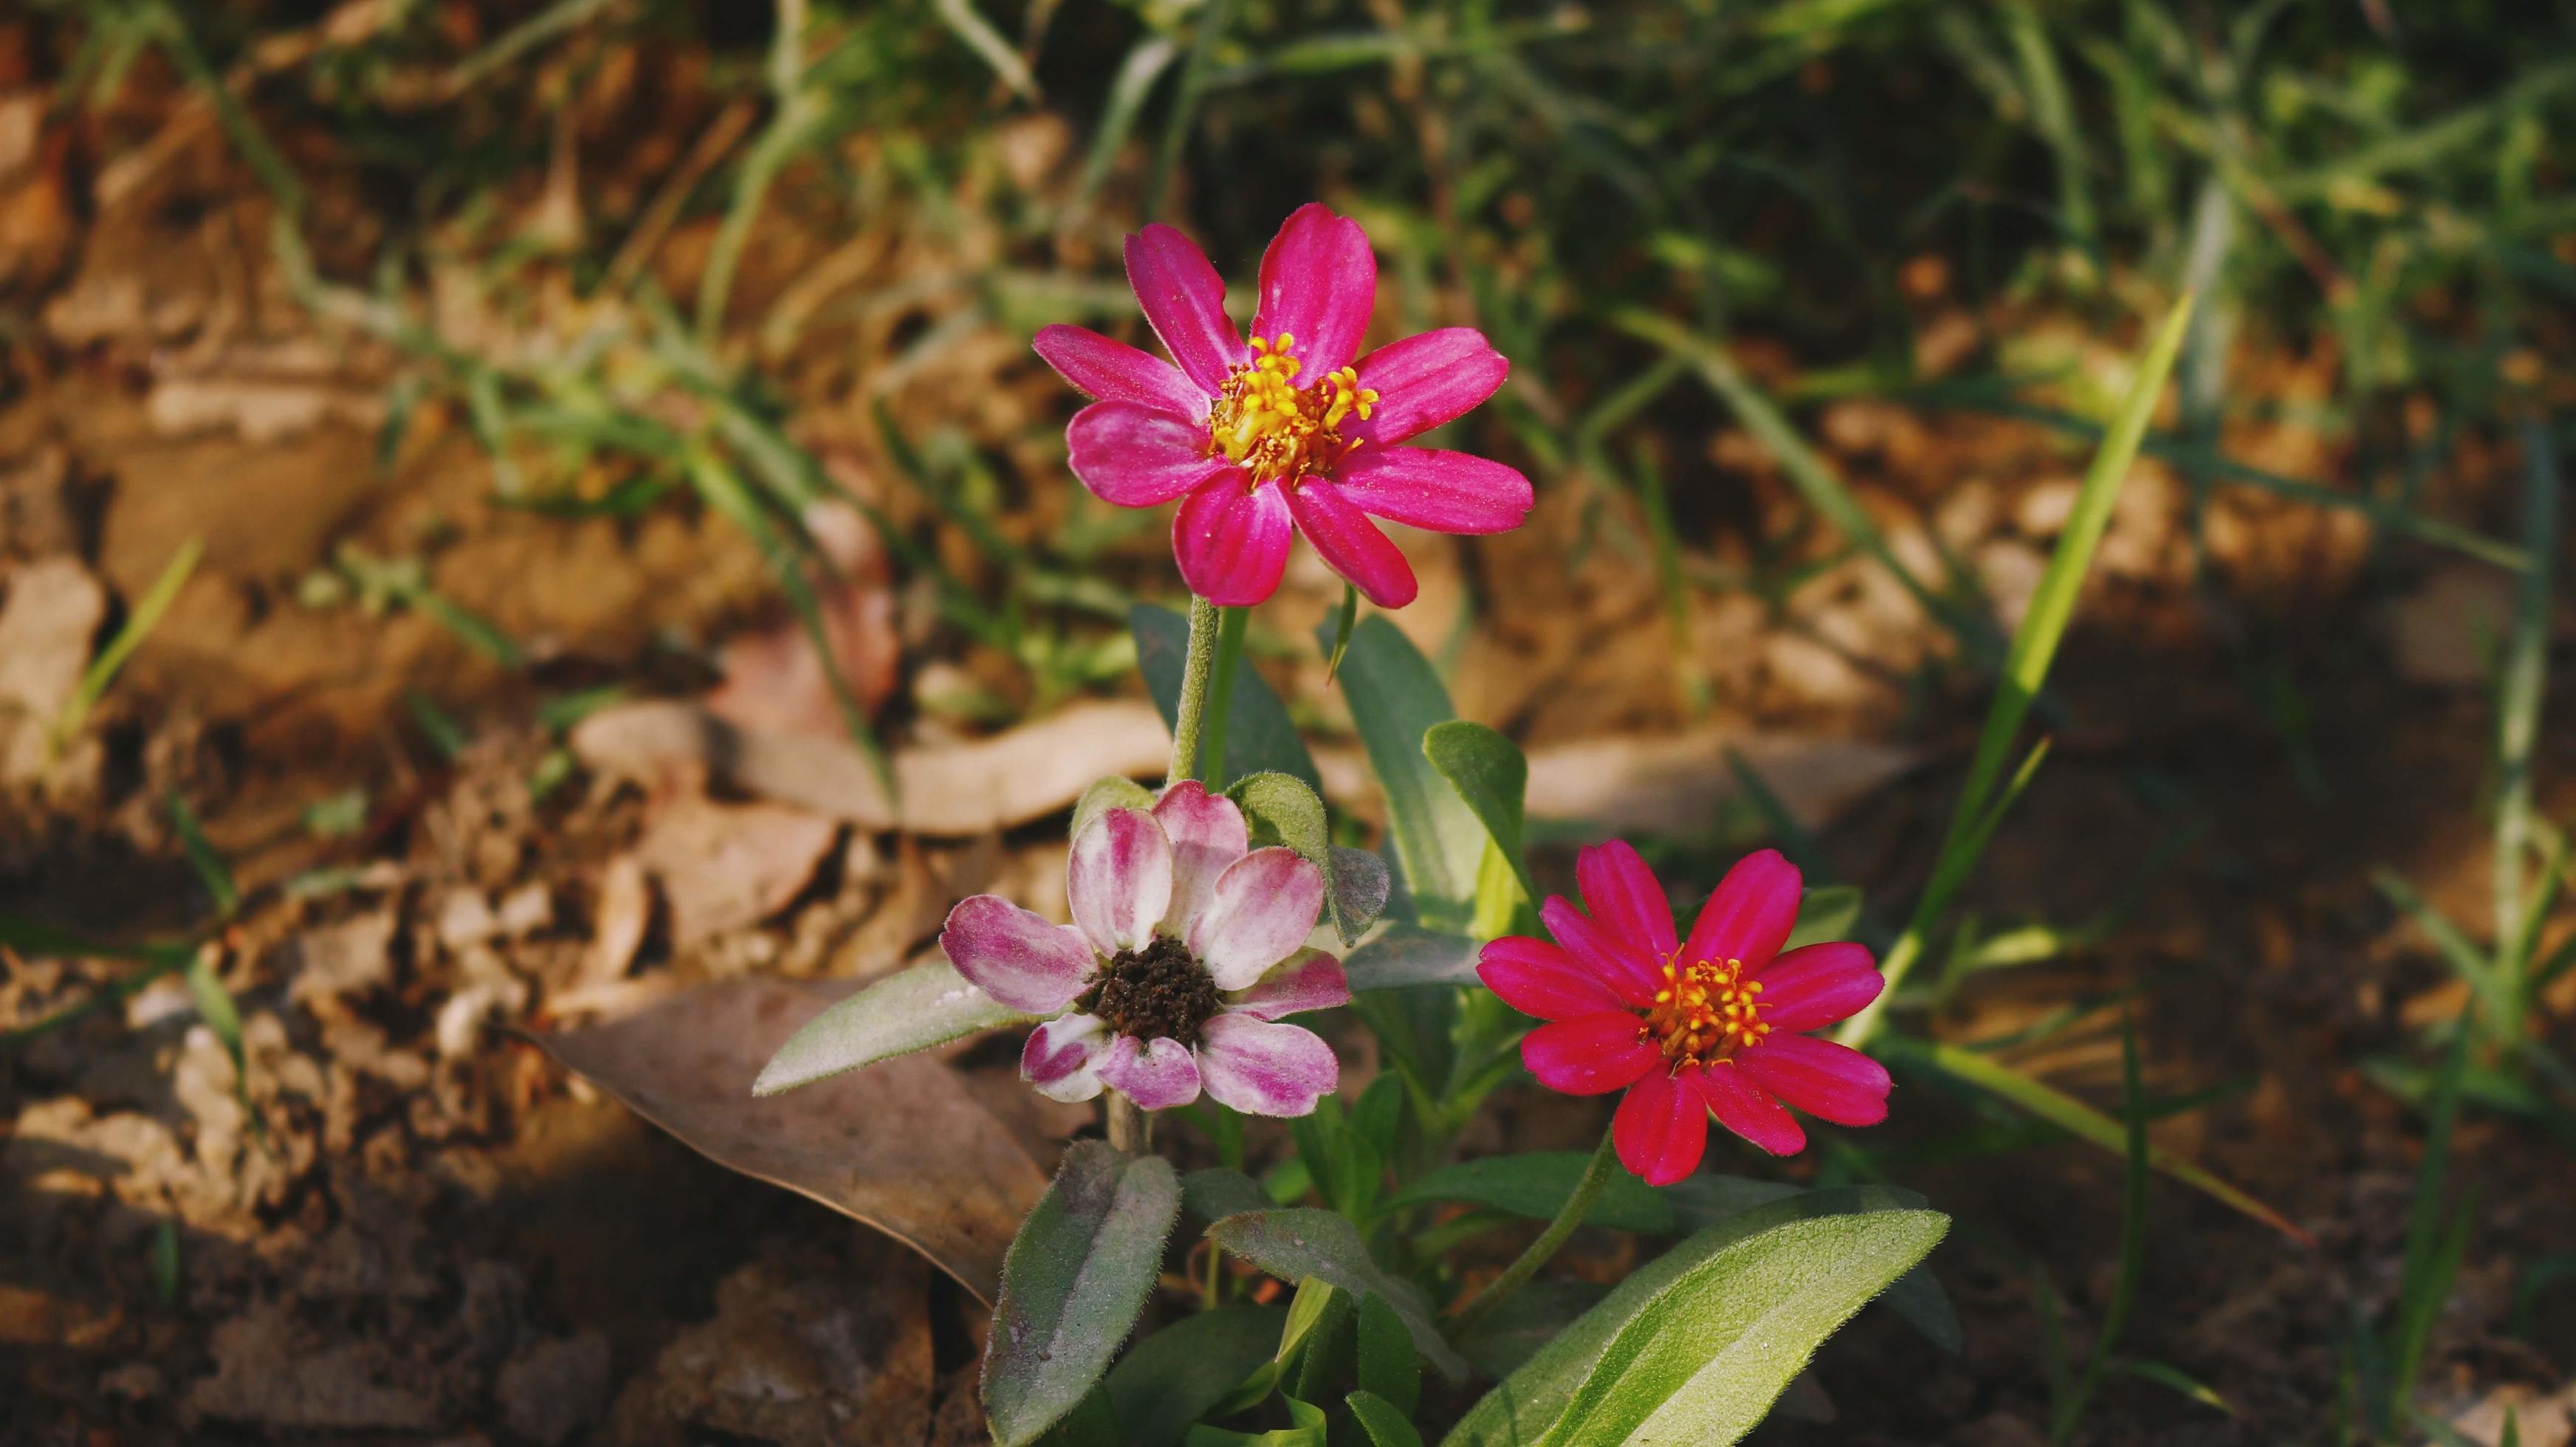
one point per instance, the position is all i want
(1596, 1177)
(1130, 1130)
(1190, 726)
(1219, 704)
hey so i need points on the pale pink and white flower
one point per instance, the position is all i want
(1187, 948)
(1283, 433)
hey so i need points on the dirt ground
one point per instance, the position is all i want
(407, 1222)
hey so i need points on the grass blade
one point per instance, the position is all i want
(139, 624)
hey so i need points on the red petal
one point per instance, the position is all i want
(1622, 893)
(1750, 914)
(1447, 492)
(1536, 978)
(1828, 1081)
(1113, 371)
(1815, 985)
(1318, 284)
(1591, 1055)
(1351, 544)
(1184, 298)
(1425, 380)
(1622, 965)
(1232, 544)
(1138, 456)
(1744, 1109)
(1661, 1129)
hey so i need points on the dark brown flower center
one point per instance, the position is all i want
(1160, 991)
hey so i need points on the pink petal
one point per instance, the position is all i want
(1748, 916)
(1351, 544)
(1062, 1058)
(1113, 371)
(1259, 912)
(1624, 966)
(1119, 879)
(1447, 492)
(1661, 1129)
(1536, 978)
(1137, 456)
(1156, 1074)
(1815, 985)
(1184, 299)
(1425, 380)
(1622, 894)
(1745, 1110)
(1207, 833)
(1589, 1055)
(1024, 960)
(1831, 1082)
(1232, 542)
(1264, 1069)
(1310, 980)
(1318, 284)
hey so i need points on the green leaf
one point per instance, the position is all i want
(1091, 1423)
(1534, 1316)
(1172, 1378)
(1489, 773)
(1760, 1290)
(1295, 1244)
(2172, 1380)
(1329, 1360)
(139, 623)
(211, 870)
(1282, 807)
(1389, 1368)
(1387, 1424)
(1077, 1274)
(1406, 958)
(1259, 734)
(910, 1010)
(1105, 795)
(1344, 619)
(1216, 1193)
(1536, 1185)
(1395, 700)
(1308, 1430)
(1825, 915)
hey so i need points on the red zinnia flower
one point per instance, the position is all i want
(1282, 434)
(1691, 1027)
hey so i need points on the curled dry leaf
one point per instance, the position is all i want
(952, 790)
(902, 1146)
(725, 866)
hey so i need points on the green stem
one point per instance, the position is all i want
(1189, 724)
(1596, 1177)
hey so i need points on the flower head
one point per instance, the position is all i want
(1187, 947)
(1690, 1027)
(1283, 433)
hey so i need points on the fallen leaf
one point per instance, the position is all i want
(625, 913)
(52, 610)
(774, 681)
(901, 1146)
(725, 866)
(1678, 782)
(992, 783)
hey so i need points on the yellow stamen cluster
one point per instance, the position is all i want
(1705, 1011)
(1276, 429)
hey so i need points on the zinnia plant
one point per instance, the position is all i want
(1282, 433)
(1690, 1027)
(1187, 945)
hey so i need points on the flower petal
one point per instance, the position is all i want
(1112, 371)
(1589, 1055)
(1262, 908)
(1184, 299)
(1119, 879)
(1207, 833)
(1447, 492)
(1156, 1074)
(1815, 985)
(1232, 542)
(1139, 456)
(1751, 912)
(1536, 978)
(1743, 1108)
(1062, 1058)
(1623, 896)
(1264, 1069)
(1624, 966)
(1020, 958)
(1661, 1129)
(1351, 544)
(1831, 1082)
(1309, 980)
(1318, 284)
(1425, 380)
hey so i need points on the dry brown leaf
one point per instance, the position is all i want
(902, 1146)
(773, 680)
(1678, 782)
(994, 783)
(725, 866)
(52, 609)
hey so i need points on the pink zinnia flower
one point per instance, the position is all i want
(1690, 1026)
(1187, 947)
(1282, 433)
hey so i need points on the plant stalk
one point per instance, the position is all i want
(1130, 1129)
(1190, 723)
(1596, 1177)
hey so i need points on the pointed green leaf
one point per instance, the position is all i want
(1395, 700)
(1216, 1193)
(1308, 1429)
(1390, 1370)
(1387, 1425)
(1077, 1274)
(1295, 1244)
(1283, 808)
(1536, 1185)
(910, 1010)
(1489, 773)
(1172, 1378)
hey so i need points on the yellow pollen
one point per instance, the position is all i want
(1706, 1011)
(1277, 430)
